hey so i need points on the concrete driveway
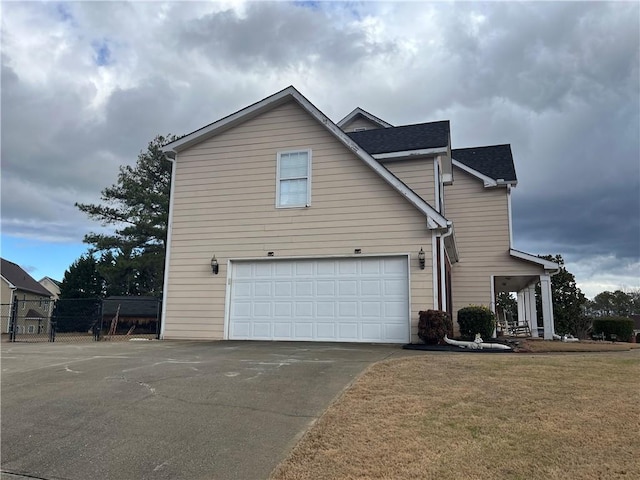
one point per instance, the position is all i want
(166, 410)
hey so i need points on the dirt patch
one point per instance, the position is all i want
(452, 416)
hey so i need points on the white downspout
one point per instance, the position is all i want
(443, 286)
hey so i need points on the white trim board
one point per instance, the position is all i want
(365, 114)
(546, 264)
(488, 181)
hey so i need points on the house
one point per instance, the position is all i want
(287, 226)
(52, 285)
(34, 301)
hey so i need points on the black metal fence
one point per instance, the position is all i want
(82, 319)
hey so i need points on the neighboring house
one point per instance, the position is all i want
(52, 285)
(34, 301)
(286, 226)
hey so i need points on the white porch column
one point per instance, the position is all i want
(547, 307)
(533, 311)
(522, 306)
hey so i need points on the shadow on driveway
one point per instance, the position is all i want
(167, 410)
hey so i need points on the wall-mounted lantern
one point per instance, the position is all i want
(215, 268)
(357, 251)
(421, 258)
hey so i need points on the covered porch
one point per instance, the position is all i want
(524, 286)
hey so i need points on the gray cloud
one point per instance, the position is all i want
(275, 35)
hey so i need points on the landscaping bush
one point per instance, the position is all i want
(621, 327)
(476, 319)
(433, 325)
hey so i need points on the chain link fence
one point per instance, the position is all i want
(81, 319)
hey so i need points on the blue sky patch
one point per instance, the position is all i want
(102, 53)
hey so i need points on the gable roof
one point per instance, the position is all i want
(17, 277)
(358, 112)
(434, 219)
(421, 136)
(494, 161)
(55, 282)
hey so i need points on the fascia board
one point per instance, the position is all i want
(546, 264)
(402, 155)
(488, 181)
(11, 285)
(367, 115)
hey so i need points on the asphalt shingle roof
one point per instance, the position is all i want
(21, 279)
(495, 161)
(407, 137)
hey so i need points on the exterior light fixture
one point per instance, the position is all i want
(269, 254)
(421, 258)
(357, 251)
(215, 268)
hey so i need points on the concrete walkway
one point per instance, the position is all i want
(167, 410)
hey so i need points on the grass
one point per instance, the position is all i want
(453, 416)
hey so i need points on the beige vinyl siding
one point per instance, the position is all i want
(481, 221)
(224, 204)
(418, 175)
(360, 122)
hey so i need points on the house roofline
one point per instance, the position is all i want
(488, 181)
(358, 111)
(434, 219)
(546, 264)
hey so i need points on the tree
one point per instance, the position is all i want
(568, 302)
(137, 206)
(508, 304)
(618, 303)
(82, 279)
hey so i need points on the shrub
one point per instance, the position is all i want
(621, 327)
(476, 319)
(433, 325)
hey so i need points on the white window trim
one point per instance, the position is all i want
(308, 202)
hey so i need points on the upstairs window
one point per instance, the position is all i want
(293, 187)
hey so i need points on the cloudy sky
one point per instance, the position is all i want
(86, 85)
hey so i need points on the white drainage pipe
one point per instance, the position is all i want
(477, 344)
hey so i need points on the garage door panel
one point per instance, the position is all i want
(325, 309)
(304, 288)
(282, 329)
(304, 309)
(371, 331)
(262, 289)
(283, 289)
(348, 331)
(283, 309)
(371, 287)
(371, 309)
(262, 330)
(303, 331)
(325, 288)
(361, 299)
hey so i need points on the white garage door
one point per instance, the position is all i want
(335, 300)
